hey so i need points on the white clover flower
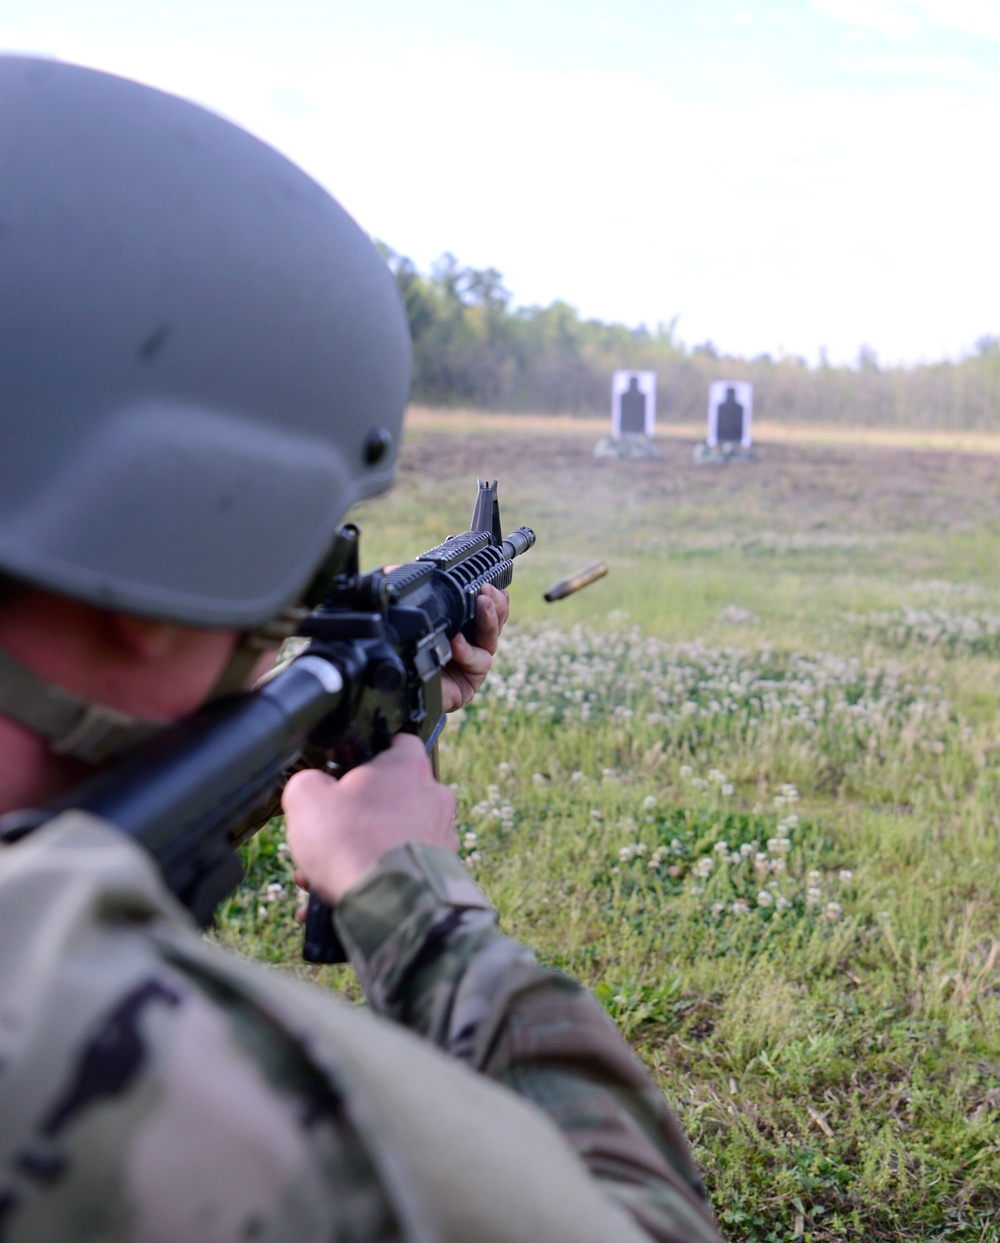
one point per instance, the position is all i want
(654, 863)
(284, 850)
(815, 878)
(715, 775)
(721, 848)
(790, 792)
(504, 768)
(493, 793)
(577, 776)
(780, 800)
(781, 903)
(718, 908)
(596, 813)
(703, 868)
(274, 891)
(469, 840)
(727, 789)
(699, 783)
(473, 859)
(778, 865)
(764, 898)
(641, 848)
(686, 772)
(677, 846)
(846, 875)
(539, 779)
(813, 896)
(740, 907)
(262, 912)
(649, 802)
(747, 849)
(833, 910)
(626, 853)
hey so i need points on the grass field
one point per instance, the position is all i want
(747, 788)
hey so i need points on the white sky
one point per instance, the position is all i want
(783, 174)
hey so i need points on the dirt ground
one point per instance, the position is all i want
(859, 488)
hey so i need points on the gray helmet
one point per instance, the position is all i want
(203, 360)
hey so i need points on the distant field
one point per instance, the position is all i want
(422, 419)
(747, 787)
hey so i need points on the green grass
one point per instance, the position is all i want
(822, 1006)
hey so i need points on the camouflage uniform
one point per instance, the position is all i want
(154, 1089)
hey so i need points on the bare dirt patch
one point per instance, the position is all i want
(863, 488)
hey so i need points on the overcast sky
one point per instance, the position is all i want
(784, 175)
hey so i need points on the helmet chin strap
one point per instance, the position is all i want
(73, 726)
(84, 730)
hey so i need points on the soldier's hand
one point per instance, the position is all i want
(338, 829)
(470, 663)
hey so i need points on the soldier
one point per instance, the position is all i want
(203, 364)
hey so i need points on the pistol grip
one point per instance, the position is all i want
(321, 943)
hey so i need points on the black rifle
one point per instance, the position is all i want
(371, 668)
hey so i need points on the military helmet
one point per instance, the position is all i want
(203, 360)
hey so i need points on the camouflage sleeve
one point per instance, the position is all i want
(426, 946)
(145, 1096)
(153, 1089)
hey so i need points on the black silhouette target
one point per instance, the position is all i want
(730, 410)
(633, 403)
(633, 406)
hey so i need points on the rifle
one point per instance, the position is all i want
(371, 667)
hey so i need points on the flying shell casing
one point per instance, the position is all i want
(582, 578)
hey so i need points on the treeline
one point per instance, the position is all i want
(473, 349)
